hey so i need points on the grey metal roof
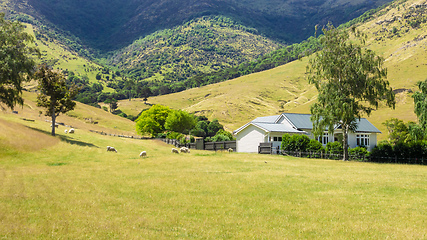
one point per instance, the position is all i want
(365, 126)
(300, 122)
(268, 119)
(303, 121)
(274, 127)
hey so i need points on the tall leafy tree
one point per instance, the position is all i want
(16, 61)
(54, 94)
(112, 102)
(420, 102)
(350, 80)
(214, 127)
(180, 121)
(397, 130)
(130, 88)
(153, 120)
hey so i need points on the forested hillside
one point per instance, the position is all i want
(202, 45)
(112, 24)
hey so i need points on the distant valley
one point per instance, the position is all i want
(201, 50)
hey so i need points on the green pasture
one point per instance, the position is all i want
(72, 188)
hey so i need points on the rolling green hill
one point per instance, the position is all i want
(392, 34)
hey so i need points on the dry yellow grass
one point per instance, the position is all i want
(18, 137)
(76, 189)
(82, 117)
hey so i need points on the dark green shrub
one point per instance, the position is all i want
(315, 146)
(123, 115)
(401, 150)
(418, 149)
(334, 148)
(301, 142)
(285, 142)
(198, 132)
(295, 142)
(383, 152)
(358, 153)
(225, 133)
(220, 138)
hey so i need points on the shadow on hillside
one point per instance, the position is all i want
(72, 141)
(67, 139)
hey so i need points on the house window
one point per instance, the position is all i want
(362, 140)
(324, 139)
(277, 139)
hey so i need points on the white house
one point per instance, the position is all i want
(271, 129)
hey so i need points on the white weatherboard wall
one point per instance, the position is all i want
(249, 138)
(372, 140)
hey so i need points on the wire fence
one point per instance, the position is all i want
(358, 157)
(323, 155)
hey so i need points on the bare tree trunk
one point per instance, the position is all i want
(345, 142)
(53, 122)
(52, 107)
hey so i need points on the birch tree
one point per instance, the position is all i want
(350, 79)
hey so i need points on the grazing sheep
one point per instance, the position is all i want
(230, 150)
(56, 125)
(65, 131)
(184, 150)
(174, 150)
(111, 149)
(143, 154)
(71, 130)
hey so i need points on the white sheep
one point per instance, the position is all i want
(184, 150)
(111, 149)
(230, 150)
(65, 131)
(71, 130)
(174, 150)
(143, 154)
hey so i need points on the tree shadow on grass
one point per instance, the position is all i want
(67, 139)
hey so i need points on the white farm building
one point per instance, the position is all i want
(271, 129)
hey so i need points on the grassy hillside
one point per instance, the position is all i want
(285, 88)
(71, 187)
(60, 56)
(83, 117)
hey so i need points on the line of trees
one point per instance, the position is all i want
(407, 142)
(161, 121)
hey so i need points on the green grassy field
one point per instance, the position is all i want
(70, 187)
